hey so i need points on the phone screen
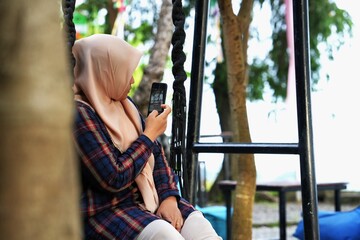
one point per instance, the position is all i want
(157, 97)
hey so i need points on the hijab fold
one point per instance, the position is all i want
(103, 73)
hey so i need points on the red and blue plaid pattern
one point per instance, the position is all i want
(110, 197)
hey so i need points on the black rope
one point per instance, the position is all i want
(68, 7)
(178, 57)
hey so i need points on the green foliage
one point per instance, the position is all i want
(89, 11)
(141, 23)
(139, 28)
(140, 34)
(259, 76)
(221, 82)
(325, 21)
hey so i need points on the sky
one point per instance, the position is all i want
(336, 112)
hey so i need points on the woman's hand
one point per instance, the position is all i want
(169, 211)
(155, 123)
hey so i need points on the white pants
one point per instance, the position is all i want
(196, 227)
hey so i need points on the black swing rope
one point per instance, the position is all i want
(177, 153)
(178, 57)
(68, 7)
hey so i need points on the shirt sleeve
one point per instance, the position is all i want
(104, 165)
(166, 180)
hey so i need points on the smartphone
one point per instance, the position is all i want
(157, 97)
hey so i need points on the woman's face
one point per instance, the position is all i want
(129, 87)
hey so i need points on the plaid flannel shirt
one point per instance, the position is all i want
(110, 197)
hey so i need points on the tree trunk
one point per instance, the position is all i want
(159, 53)
(111, 16)
(39, 192)
(236, 34)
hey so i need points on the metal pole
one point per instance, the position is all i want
(303, 92)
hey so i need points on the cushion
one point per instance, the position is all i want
(335, 225)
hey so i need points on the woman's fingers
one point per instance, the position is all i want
(156, 123)
(167, 110)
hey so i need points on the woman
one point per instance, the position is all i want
(128, 189)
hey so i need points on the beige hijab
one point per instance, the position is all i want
(103, 72)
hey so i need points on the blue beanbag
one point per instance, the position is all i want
(335, 225)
